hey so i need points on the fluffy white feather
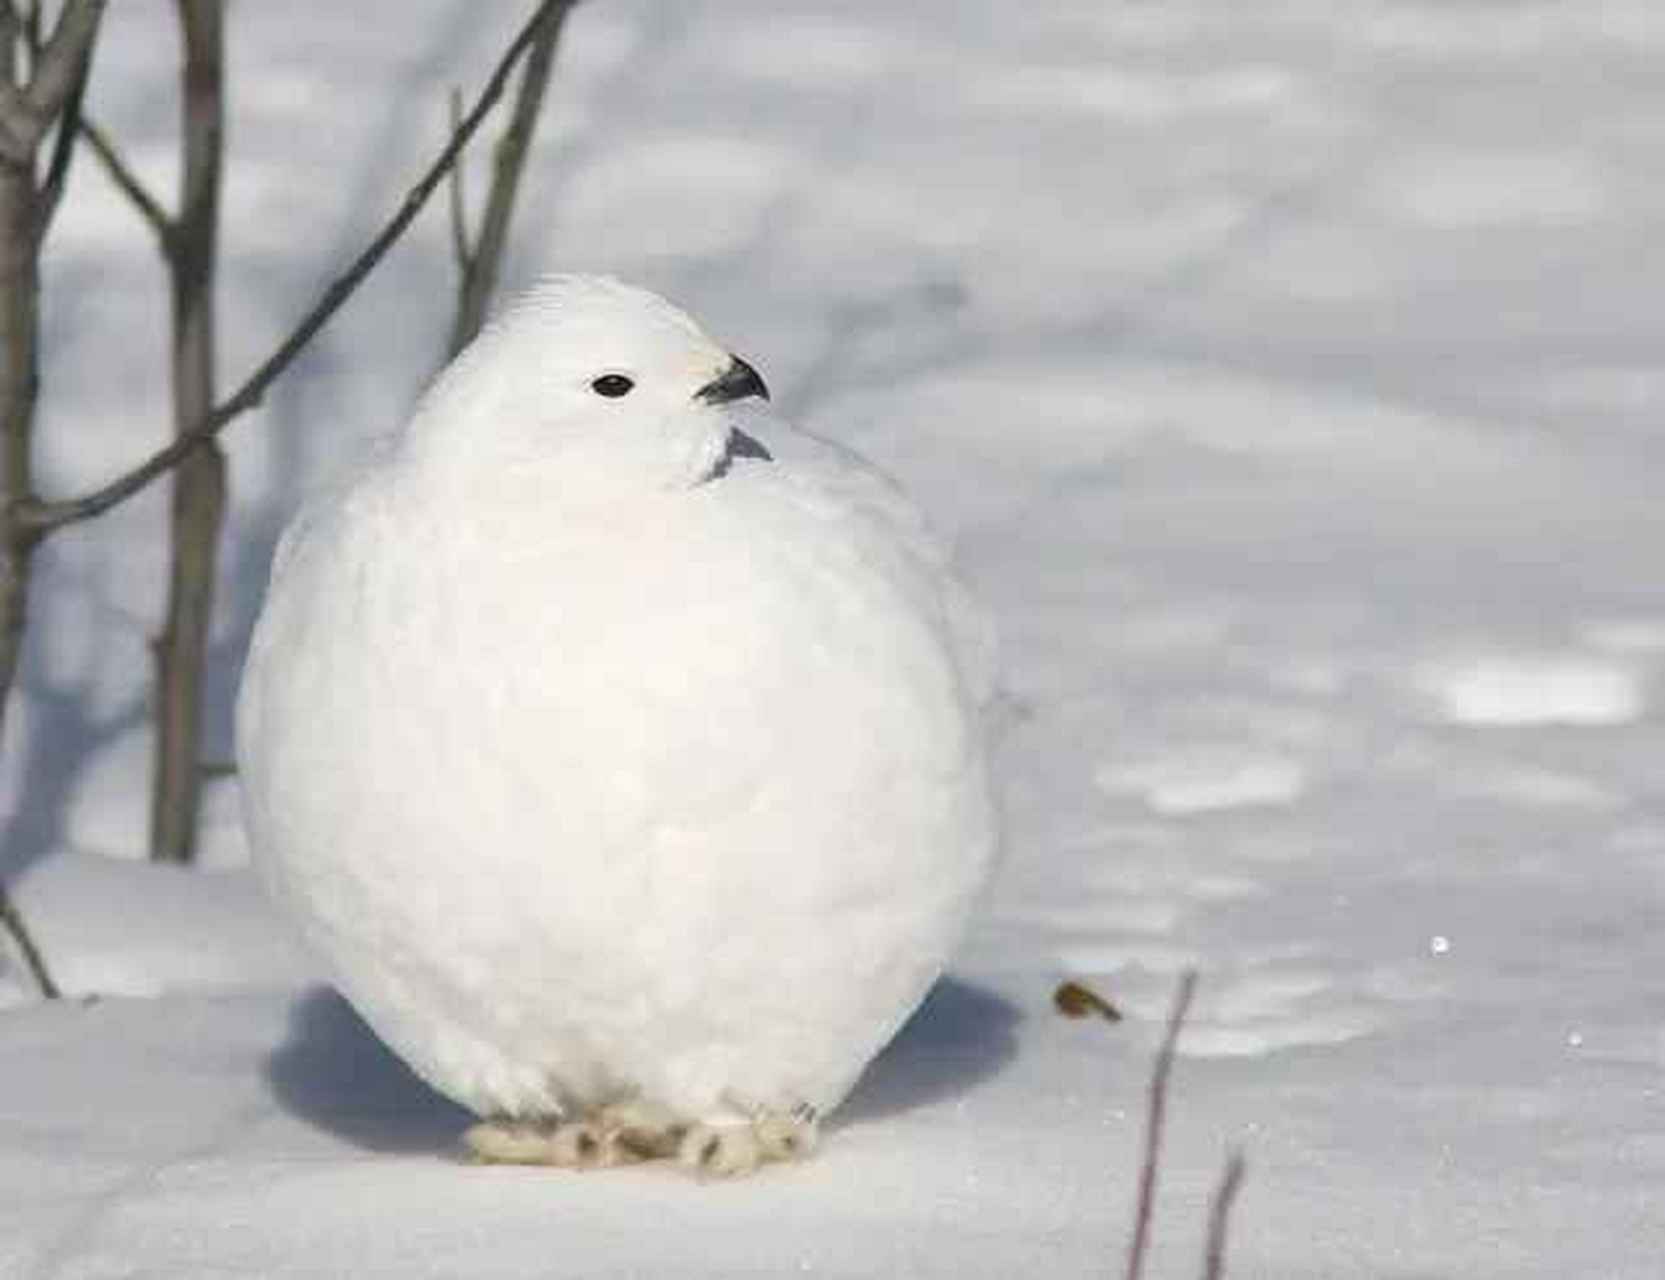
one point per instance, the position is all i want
(603, 762)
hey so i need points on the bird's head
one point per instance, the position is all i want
(583, 389)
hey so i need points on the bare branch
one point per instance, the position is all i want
(1219, 1214)
(31, 28)
(44, 518)
(479, 278)
(1156, 1112)
(130, 185)
(19, 352)
(10, 25)
(12, 919)
(63, 145)
(59, 64)
(25, 117)
(197, 512)
(459, 205)
(14, 109)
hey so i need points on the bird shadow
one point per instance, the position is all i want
(961, 1035)
(332, 1072)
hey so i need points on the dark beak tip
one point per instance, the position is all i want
(737, 382)
(751, 379)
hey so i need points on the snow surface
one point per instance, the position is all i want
(1289, 377)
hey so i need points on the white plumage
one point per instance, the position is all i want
(621, 751)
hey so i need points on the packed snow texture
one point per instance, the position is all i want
(1288, 379)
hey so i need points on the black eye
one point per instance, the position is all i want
(613, 385)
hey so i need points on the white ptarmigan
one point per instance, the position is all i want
(619, 746)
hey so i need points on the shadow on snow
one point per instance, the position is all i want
(333, 1072)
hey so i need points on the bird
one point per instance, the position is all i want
(621, 748)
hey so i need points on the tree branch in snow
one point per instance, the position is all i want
(131, 186)
(12, 919)
(28, 109)
(459, 203)
(1156, 1111)
(41, 519)
(479, 263)
(1219, 1214)
(197, 512)
(63, 145)
(54, 73)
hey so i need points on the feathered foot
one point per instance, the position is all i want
(566, 1144)
(732, 1148)
(724, 1146)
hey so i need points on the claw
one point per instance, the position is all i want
(721, 1150)
(789, 1135)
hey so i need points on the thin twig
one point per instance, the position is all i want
(459, 204)
(131, 187)
(1156, 1111)
(44, 518)
(485, 257)
(1219, 1214)
(63, 147)
(12, 919)
(69, 122)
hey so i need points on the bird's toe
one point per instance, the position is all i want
(721, 1150)
(575, 1144)
(587, 1144)
(643, 1128)
(508, 1141)
(787, 1135)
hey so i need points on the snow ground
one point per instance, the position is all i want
(1289, 377)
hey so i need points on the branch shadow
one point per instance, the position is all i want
(332, 1072)
(68, 719)
(67, 726)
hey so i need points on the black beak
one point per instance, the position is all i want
(736, 382)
